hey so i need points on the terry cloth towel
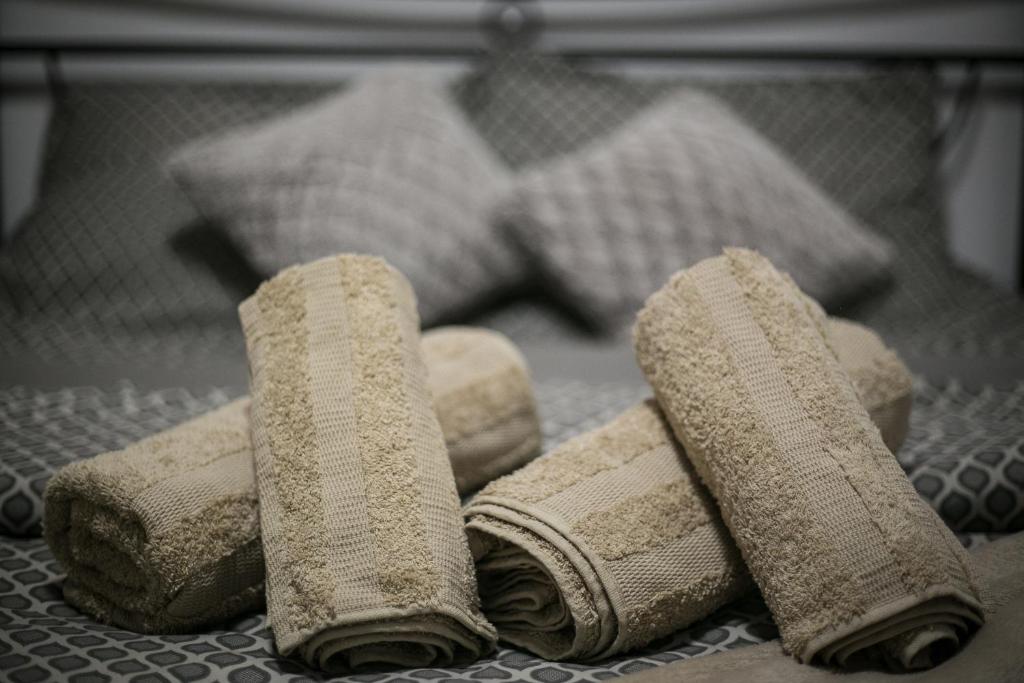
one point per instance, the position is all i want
(849, 559)
(610, 541)
(989, 656)
(883, 383)
(163, 536)
(484, 401)
(366, 555)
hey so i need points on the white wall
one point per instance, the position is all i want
(982, 174)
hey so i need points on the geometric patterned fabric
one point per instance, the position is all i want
(114, 261)
(42, 637)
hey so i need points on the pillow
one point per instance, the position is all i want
(390, 167)
(612, 221)
(113, 261)
(866, 139)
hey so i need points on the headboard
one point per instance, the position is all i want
(978, 47)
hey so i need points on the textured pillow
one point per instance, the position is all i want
(612, 221)
(390, 167)
(866, 139)
(113, 260)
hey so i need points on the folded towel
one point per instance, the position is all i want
(881, 380)
(989, 656)
(611, 541)
(163, 536)
(849, 559)
(484, 401)
(366, 554)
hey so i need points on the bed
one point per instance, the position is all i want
(118, 318)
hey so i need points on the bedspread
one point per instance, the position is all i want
(965, 453)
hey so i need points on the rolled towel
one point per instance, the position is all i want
(610, 541)
(989, 656)
(851, 562)
(366, 555)
(163, 536)
(882, 382)
(484, 401)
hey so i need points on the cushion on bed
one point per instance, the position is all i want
(611, 222)
(113, 260)
(390, 167)
(866, 139)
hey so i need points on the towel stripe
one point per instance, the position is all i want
(405, 569)
(286, 406)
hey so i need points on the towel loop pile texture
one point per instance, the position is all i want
(851, 562)
(176, 513)
(164, 535)
(611, 541)
(484, 401)
(366, 555)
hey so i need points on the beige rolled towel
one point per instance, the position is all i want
(163, 536)
(851, 562)
(989, 656)
(366, 555)
(610, 541)
(484, 401)
(882, 382)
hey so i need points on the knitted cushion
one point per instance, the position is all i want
(114, 261)
(390, 167)
(866, 140)
(614, 220)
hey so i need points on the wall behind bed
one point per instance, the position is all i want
(981, 168)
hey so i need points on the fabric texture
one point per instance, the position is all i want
(852, 563)
(867, 140)
(42, 636)
(967, 458)
(388, 167)
(1000, 569)
(367, 562)
(614, 220)
(44, 431)
(883, 383)
(113, 261)
(194, 487)
(611, 541)
(165, 539)
(602, 546)
(484, 402)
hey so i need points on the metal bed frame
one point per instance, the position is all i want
(523, 23)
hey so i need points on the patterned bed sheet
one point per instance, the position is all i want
(965, 454)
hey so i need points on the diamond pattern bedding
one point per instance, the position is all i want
(41, 636)
(114, 261)
(865, 140)
(964, 452)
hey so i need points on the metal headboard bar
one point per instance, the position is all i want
(756, 53)
(558, 15)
